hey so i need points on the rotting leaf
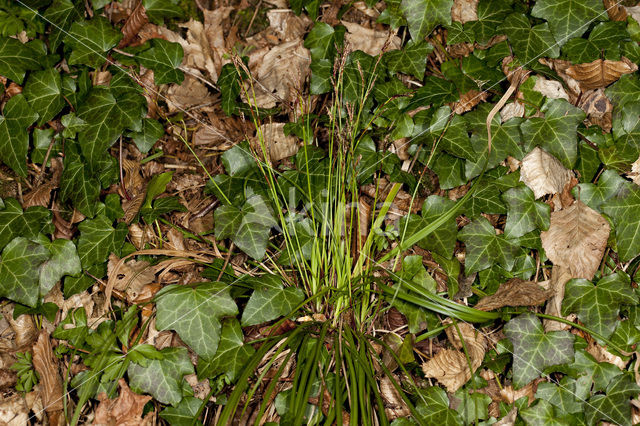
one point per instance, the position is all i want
(515, 292)
(600, 73)
(543, 173)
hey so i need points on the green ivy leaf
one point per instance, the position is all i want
(98, 239)
(542, 413)
(600, 373)
(151, 132)
(568, 396)
(433, 408)
(184, 413)
(194, 312)
(412, 59)
(63, 261)
(162, 378)
(436, 92)
(61, 14)
(624, 211)
(17, 58)
(450, 171)
(534, 350)
(598, 306)
(484, 247)
(424, 15)
(43, 90)
(20, 270)
(491, 13)
(569, 18)
(231, 356)
(14, 139)
(624, 91)
(78, 184)
(164, 58)
(556, 133)
(159, 10)
(14, 222)
(529, 43)
(90, 41)
(443, 239)
(270, 300)
(525, 213)
(323, 39)
(609, 185)
(615, 406)
(452, 133)
(229, 83)
(248, 227)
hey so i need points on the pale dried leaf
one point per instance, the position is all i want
(131, 277)
(634, 174)
(543, 173)
(38, 196)
(50, 385)
(634, 11)
(598, 108)
(201, 388)
(515, 292)
(364, 221)
(370, 41)
(14, 411)
(464, 11)
(286, 25)
(600, 73)
(510, 395)
(23, 327)
(125, 410)
(576, 239)
(601, 354)
(550, 88)
(560, 275)
(469, 100)
(278, 146)
(190, 93)
(394, 405)
(513, 109)
(509, 419)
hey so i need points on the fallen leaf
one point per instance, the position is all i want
(576, 239)
(131, 277)
(286, 25)
(464, 11)
(50, 386)
(8, 379)
(515, 292)
(39, 196)
(601, 354)
(598, 108)
(560, 275)
(550, 88)
(135, 21)
(190, 93)
(278, 146)
(615, 10)
(600, 73)
(24, 329)
(543, 173)
(634, 11)
(510, 395)
(125, 410)
(450, 367)
(634, 174)
(513, 109)
(14, 411)
(394, 405)
(469, 100)
(370, 41)
(509, 419)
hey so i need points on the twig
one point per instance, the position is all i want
(44, 163)
(122, 185)
(226, 261)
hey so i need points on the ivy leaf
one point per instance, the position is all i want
(323, 39)
(63, 261)
(568, 18)
(43, 90)
(270, 300)
(20, 270)
(450, 171)
(162, 378)
(184, 413)
(528, 43)
(229, 83)
(14, 222)
(231, 356)
(14, 139)
(625, 90)
(534, 350)
(412, 59)
(151, 132)
(90, 40)
(600, 373)
(556, 133)
(78, 184)
(609, 185)
(525, 213)
(436, 92)
(159, 10)
(424, 15)
(61, 14)
(624, 212)
(452, 133)
(615, 406)
(98, 239)
(542, 413)
(433, 408)
(598, 306)
(491, 13)
(484, 247)
(164, 58)
(565, 396)
(248, 227)
(443, 239)
(194, 312)
(17, 58)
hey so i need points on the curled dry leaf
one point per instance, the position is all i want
(125, 410)
(14, 411)
(450, 367)
(510, 395)
(464, 11)
(634, 11)
(364, 221)
(634, 174)
(601, 354)
(394, 405)
(550, 88)
(509, 419)
(370, 41)
(576, 239)
(600, 73)
(24, 329)
(469, 100)
(46, 364)
(131, 277)
(513, 109)
(615, 10)
(278, 146)
(598, 108)
(190, 93)
(560, 275)
(515, 292)
(136, 20)
(38, 196)
(543, 173)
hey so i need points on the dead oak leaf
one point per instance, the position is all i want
(600, 73)
(543, 173)
(515, 292)
(125, 410)
(576, 239)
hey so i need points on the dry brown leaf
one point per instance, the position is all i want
(394, 405)
(370, 41)
(50, 385)
(278, 145)
(550, 88)
(132, 207)
(600, 73)
(14, 411)
(464, 11)
(450, 367)
(509, 419)
(136, 20)
(190, 93)
(364, 221)
(24, 329)
(131, 277)
(510, 395)
(39, 196)
(576, 239)
(615, 10)
(543, 173)
(8, 378)
(515, 292)
(601, 354)
(286, 25)
(125, 410)
(598, 108)
(560, 275)
(634, 174)
(469, 100)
